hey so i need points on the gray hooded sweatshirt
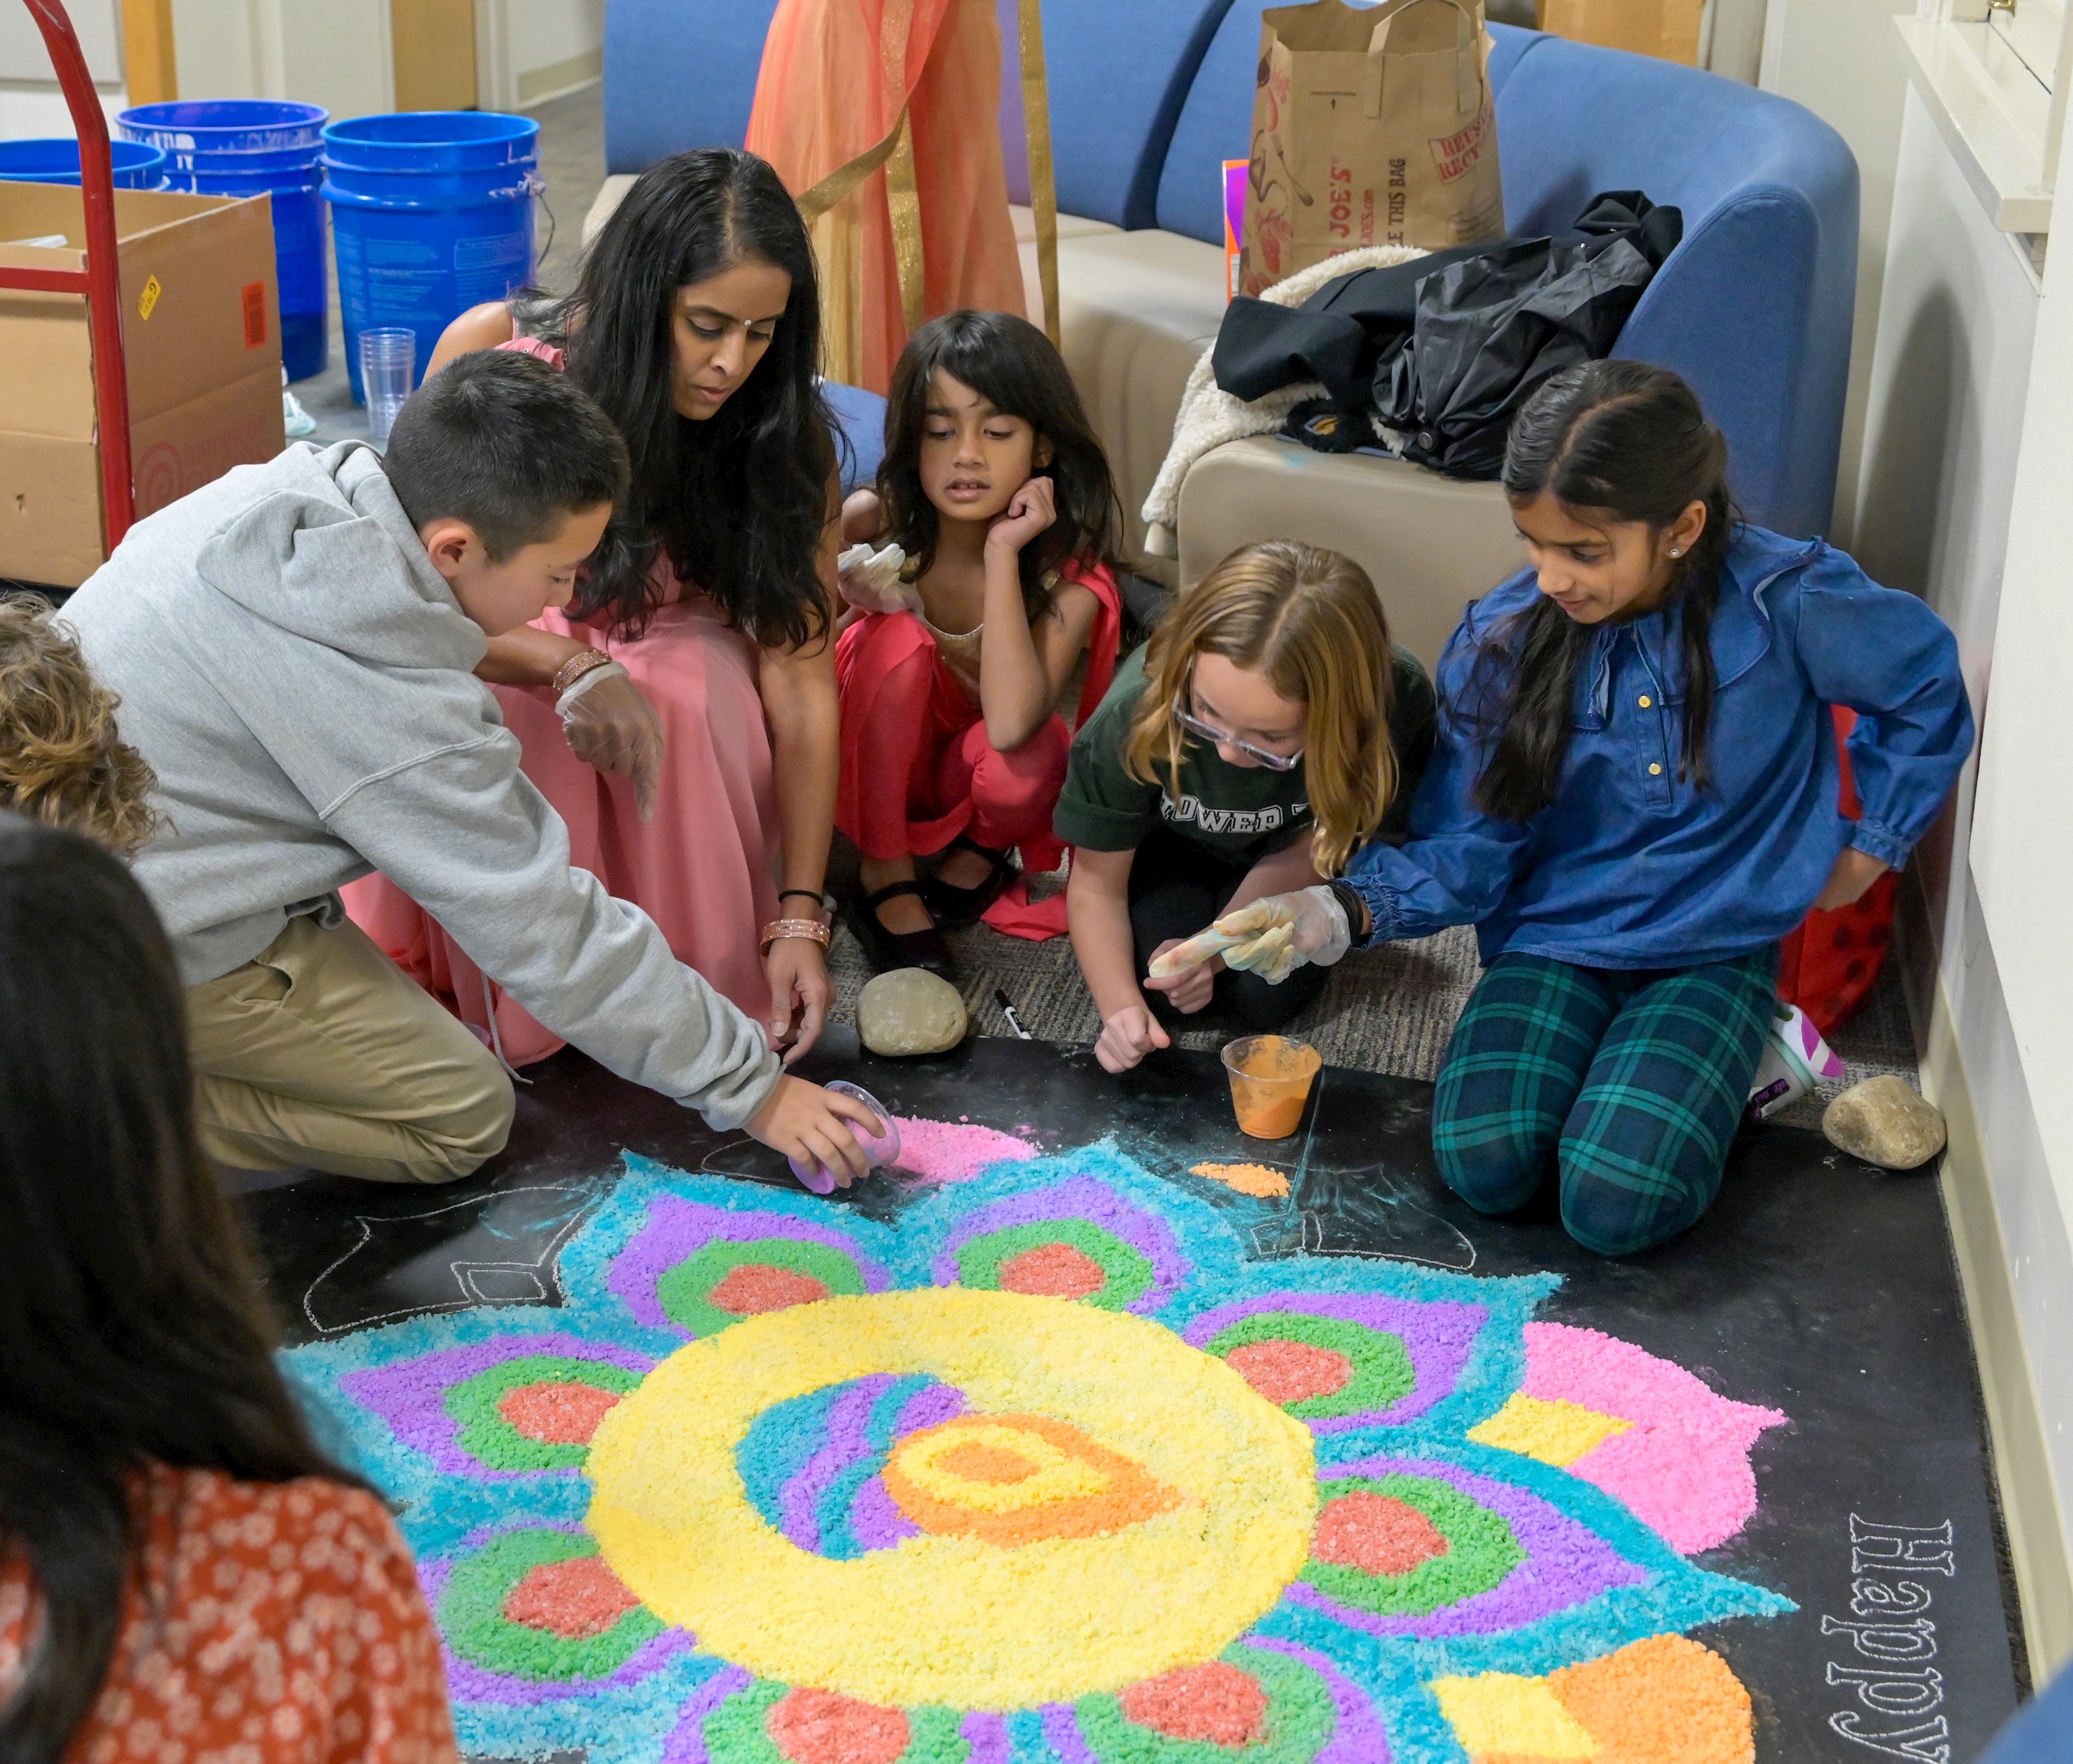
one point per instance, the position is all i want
(300, 677)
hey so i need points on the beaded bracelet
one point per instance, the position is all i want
(582, 662)
(813, 930)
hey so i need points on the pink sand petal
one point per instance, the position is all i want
(1683, 1467)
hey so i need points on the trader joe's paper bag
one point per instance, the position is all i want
(1371, 125)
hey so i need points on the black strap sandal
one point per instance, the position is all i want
(956, 907)
(887, 949)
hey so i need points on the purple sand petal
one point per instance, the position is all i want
(1439, 1334)
(1063, 1731)
(1566, 1563)
(678, 1229)
(876, 1523)
(929, 1407)
(1358, 1738)
(1079, 1197)
(986, 1735)
(410, 1394)
(846, 1442)
(469, 1683)
(686, 1743)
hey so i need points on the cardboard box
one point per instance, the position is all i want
(201, 331)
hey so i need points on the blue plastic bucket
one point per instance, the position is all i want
(431, 213)
(57, 161)
(258, 147)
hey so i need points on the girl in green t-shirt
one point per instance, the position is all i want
(1266, 732)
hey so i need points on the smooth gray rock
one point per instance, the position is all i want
(910, 1011)
(1885, 1122)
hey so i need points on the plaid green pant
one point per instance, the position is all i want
(1629, 1084)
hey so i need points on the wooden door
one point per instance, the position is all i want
(435, 50)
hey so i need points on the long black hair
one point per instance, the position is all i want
(1624, 439)
(130, 1332)
(1013, 366)
(739, 501)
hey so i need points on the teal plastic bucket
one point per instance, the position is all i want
(258, 147)
(137, 167)
(431, 213)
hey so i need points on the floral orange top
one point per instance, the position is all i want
(271, 1623)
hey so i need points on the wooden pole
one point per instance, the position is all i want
(149, 75)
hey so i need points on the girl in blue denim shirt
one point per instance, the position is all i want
(1633, 798)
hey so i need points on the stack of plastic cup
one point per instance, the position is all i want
(879, 1152)
(388, 362)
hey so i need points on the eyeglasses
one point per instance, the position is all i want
(1194, 725)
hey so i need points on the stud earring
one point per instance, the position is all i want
(1676, 551)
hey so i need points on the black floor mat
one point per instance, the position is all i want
(1816, 1285)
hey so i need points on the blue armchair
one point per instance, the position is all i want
(1753, 308)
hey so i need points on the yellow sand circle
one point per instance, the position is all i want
(952, 1619)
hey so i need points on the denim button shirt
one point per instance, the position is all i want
(1631, 867)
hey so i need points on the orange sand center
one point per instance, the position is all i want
(556, 1413)
(1376, 1534)
(1289, 1371)
(1052, 1271)
(756, 1286)
(574, 1599)
(1216, 1704)
(819, 1727)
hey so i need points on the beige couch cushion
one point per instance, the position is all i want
(1431, 544)
(1136, 311)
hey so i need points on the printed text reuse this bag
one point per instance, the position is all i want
(1371, 125)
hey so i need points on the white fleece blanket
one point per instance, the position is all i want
(1209, 416)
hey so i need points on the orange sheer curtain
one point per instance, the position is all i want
(835, 75)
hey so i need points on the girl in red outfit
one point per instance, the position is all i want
(997, 492)
(183, 1575)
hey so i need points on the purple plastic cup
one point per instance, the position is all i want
(881, 1150)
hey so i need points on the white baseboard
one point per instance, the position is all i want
(2036, 1530)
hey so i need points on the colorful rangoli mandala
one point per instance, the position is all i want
(1048, 1474)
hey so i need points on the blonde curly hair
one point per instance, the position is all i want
(61, 761)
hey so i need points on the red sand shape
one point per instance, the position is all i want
(819, 1727)
(576, 1599)
(756, 1286)
(1052, 1271)
(1290, 1371)
(1216, 1703)
(1375, 1533)
(557, 1414)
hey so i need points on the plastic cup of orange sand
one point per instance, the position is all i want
(1271, 1077)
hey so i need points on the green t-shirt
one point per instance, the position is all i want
(1241, 814)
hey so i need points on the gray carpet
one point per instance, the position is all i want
(1390, 1010)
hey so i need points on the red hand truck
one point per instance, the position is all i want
(100, 281)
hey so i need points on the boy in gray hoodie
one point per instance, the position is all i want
(292, 648)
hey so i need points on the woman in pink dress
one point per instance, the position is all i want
(699, 783)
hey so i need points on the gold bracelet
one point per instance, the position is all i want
(582, 662)
(813, 930)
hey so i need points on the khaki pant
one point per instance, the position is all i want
(321, 1053)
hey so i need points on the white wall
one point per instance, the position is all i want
(333, 52)
(30, 103)
(1953, 475)
(1840, 59)
(530, 50)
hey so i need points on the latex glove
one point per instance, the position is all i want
(1127, 1037)
(612, 726)
(871, 581)
(1281, 931)
(1173, 958)
(1188, 989)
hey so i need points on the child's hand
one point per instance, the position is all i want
(1855, 872)
(1189, 987)
(805, 1122)
(1030, 511)
(1127, 1037)
(1281, 933)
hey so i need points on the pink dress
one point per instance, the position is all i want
(704, 869)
